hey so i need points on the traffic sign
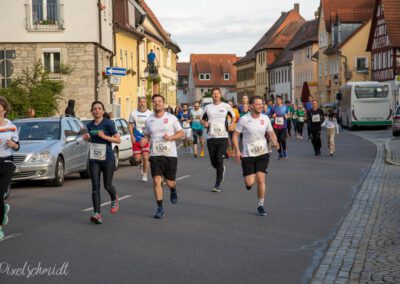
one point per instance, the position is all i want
(115, 71)
(6, 68)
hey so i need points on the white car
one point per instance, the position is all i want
(123, 151)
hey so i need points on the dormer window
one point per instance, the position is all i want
(204, 76)
(227, 76)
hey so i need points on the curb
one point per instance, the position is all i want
(388, 154)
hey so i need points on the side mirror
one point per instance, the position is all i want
(70, 139)
(339, 96)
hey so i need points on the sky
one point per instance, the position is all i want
(222, 26)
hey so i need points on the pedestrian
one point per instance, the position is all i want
(245, 110)
(162, 130)
(215, 119)
(300, 121)
(294, 120)
(102, 133)
(137, 122)
(197, 129)
(245, 101)
(70, 110)
(289, 117)
(308, 106)
(184, 118)
(31, 112)
(332, 129)
(255, 155)
(280, 114)
(315, 118)
(9, 142)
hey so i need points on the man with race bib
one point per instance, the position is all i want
(162, 130)
(184, 118)
(215, 119)
(255, 155)
(280, 114)
(315, 119)
(137, 121)
(197, 129)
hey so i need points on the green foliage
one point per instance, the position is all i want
(33, 89)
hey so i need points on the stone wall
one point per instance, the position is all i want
(80, 83)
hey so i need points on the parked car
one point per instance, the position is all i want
(51, 148)
(123, 151)
(396, 122)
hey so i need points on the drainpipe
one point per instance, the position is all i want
(96, 53)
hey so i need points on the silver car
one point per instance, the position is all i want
(51, 148)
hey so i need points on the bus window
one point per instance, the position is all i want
(363, 92)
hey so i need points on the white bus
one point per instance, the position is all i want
(365, 104)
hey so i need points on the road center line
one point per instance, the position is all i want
(107, 203)
(183, 177)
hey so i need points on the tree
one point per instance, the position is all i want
(33, 89)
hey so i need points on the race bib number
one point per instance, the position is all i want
(301, 119)
(257, 148)
(294, 116)
(161, 148)
(316, 118)
(279, 120)
(98, 151)
(217, 129)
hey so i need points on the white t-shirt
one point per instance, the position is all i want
(196, 115)
(253, 130)
(330, 124)
(139, 119)
(7, 132)
(157, 128)
(217, 118)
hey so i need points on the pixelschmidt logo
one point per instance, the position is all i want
(29, 270)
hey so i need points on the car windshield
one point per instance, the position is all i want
(38, 130)
(363, 92)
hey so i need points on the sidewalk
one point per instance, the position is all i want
(393, 151)
(366, 248)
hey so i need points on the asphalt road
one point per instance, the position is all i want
(206, 238)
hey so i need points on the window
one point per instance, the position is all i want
(204, 76)
(45, 12)
(52, 61)
(226, 76)
(202, 90)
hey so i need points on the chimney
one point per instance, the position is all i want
(297, 7)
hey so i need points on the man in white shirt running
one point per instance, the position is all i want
(255, 155)
(215, 120)
(137, 121)
(162, 130)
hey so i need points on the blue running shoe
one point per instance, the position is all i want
(261, 211)
(160, 213)
(174, 197)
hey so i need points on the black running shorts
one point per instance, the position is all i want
(252, 165)
(164, 166)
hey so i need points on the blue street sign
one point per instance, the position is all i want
(115, 71)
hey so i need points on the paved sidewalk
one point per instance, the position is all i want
(393, 151)
(366, 249)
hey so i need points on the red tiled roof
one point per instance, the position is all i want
(307, 35)
(348, 11)
(156, 22)
(183, 68)
(216, 65)
(391, 10)
(273, 38)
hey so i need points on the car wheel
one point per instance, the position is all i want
(59, 176)
(116, 158)
(8, 192)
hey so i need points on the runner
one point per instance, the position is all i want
(8, 143)
(197, 129)
(215, 119)
(137, 121)
(162, 129)
(332, 129)
(255, 155)
(245, 101)
(184, 118)
(102, 133)
(237, 116)
(289, 117)
(280, 114)
(294, 120)
(300, 121)
(308, 106)
(315, 118)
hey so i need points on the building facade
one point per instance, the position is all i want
(183, 82)
(51, 32)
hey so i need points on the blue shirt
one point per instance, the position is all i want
(308, 106)
(280, 112)
(151, 57)
(108, 127)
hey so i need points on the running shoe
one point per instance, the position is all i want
(160, 213)
(174, 197)
(1, 234)
(285, 155)
(280, 156)
(114, 206)
(216, 189)
(190, 150)
(202, 153)
(261, 211)
(144, 177)
(6, 211)
(331, 154)
(96, 218)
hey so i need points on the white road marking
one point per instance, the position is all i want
(107, 203)
(183, 177)
(10, 237)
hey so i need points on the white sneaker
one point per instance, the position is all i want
(144, 178)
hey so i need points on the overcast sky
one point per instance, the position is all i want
(222, 26)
